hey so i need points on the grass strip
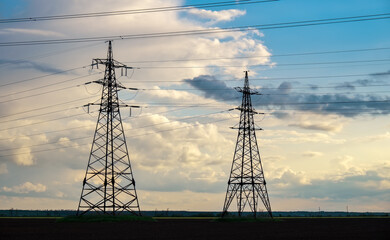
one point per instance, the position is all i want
(30, 217)
(185, 218)
(247, 219)
(105, 218)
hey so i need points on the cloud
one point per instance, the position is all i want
(26, 187)
(322, 126)
(282, 98)
(3, 168)
(312, 154)
(374, 138)
(345, 86)
(43, 203)
(287, 136)
(29, 31)
(192, 158)
(313, 86)
(212, 87)
(384, 170)
(381, 74)
(24, 64)
(340, 104)
(281, 114)
(24, 157)
(288, 177)
(366, 184)
(21, 151)
(217, 16)
(352, 85)
(273, 158)
(343, 162)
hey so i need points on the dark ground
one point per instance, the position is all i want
(294, 228)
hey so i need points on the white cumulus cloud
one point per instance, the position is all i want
(24, 157)
(217, 16)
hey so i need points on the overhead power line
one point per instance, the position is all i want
(268, 64)
(145, 126)
(43, 108)
(289, 103)
(166, 111)
(47, 85)
(324, 93)
(16, 61)
(43, 150)
(134, 136)
(38, 115)
(146, 81)
(262, 56)
(44, 76)
(337, 87)
(47, 54)
(255, 79)
(132, 11)
(39, 133)
(160, 131)
(37, 123)
(265, 94)
(335, 102)
(327, 110)
(186, 118)
(206, 31)
(214, 89)
(44, 144)
(142, 116)
(39, 94)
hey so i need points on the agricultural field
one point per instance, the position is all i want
(198, 228)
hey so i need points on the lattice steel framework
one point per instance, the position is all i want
(246, 181)
(109, 186)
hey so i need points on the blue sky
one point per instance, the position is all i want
(328, 155)
(10, 9)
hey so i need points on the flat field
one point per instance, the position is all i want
(198, 228)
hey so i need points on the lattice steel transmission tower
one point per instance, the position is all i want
(246, 181)
(109, 186)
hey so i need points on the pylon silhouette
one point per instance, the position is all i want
(109, 186)
(246, 181)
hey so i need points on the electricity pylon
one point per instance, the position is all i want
(246, 181)
(109, 186)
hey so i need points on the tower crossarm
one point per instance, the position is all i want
(111, 64)
(119, 105)
(246, 128)
(115, 64)
(105, 83)
(250, 110)
(247, 90)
